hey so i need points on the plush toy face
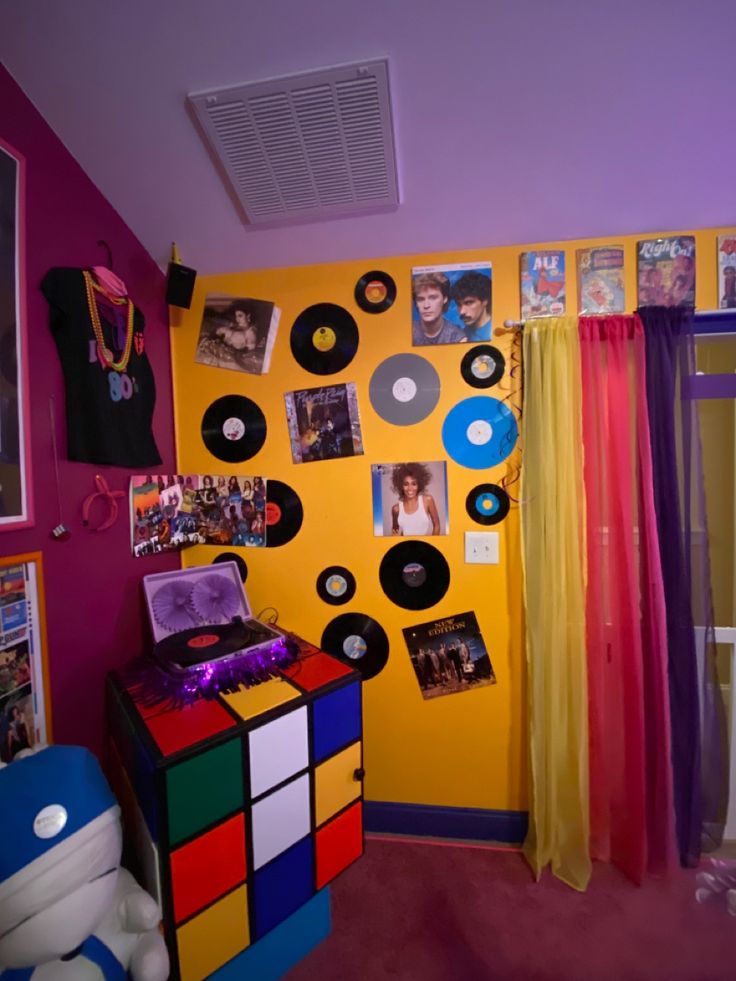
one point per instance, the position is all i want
(60, 849)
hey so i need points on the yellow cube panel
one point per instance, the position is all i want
(250, 702)
(335, 784)
(214, 937)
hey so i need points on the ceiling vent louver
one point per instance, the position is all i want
(314, 145)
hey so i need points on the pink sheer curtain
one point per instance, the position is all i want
(631, 813)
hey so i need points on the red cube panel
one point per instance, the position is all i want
(339, 843)
(208, 867)
(312, 670)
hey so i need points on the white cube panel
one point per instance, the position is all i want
(278, 750)
(280, 820)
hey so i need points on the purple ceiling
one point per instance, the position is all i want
(515, 121)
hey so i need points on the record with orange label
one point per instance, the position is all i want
(324, 338)
(375, 291)
(284, 513)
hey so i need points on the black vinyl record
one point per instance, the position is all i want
(233, 428)
(375, 291)
(336, 585)
(187, 648)
(483, 366)
(284, 513)
(324, 338)
(414, 575)
(237, 559)
(358, 640)
(487, 504)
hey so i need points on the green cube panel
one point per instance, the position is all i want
(204, 790)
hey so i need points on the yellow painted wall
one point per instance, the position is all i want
(460, 750)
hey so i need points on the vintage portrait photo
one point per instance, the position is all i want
(237, 333)
(409, 499)
(449, 655)
(324, 423)
(451, 304)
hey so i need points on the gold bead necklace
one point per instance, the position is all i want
(103, 351)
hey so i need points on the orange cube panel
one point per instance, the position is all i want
(207, 867)
(339, 843)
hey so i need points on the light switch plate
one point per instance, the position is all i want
(481, 547)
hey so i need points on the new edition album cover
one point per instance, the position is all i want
(452, 304)
(324, 423)
(237, 333)
(449, 655)
(410, 499)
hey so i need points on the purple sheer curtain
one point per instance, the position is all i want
(699, 758)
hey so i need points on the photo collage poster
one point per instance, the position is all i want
(172, 511)
(22, 696)
(410, 499)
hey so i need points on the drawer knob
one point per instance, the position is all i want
(359, 774)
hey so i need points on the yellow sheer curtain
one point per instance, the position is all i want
(553, 551)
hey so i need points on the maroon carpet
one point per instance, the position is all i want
(416, 911)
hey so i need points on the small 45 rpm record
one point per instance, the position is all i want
(336, 585)
(324, 338)
(237, 559)
(480, 432)
(414, 575)
(487, 504)
(284, 513)
(483, 366)
(404, 389)
(233, 428)
(358, 640)
(375, 291)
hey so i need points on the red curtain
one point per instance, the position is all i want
(631, 813)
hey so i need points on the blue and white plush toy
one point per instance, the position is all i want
(68, 912)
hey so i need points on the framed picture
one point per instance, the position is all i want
(25, 712)
(15, 456)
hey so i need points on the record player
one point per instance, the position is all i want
(206, 639)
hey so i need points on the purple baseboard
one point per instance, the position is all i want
(432, 821)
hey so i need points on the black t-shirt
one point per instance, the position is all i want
(108, 413)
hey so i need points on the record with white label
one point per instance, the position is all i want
(414, 575)
(233, 428)
(358, 640)
(483, 366)
(336, 585)
(480, 432)
(404, 389)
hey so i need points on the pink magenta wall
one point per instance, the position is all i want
(95, 615)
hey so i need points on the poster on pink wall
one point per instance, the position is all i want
(15, 507)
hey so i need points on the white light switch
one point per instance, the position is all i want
(481, 547)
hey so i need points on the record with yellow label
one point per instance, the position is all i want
(324, 338)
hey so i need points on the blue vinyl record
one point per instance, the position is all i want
(480, 432)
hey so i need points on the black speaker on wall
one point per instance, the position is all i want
(180, 285)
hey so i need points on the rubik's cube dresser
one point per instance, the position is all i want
(240, 809)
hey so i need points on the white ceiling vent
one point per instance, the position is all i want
(314, 145)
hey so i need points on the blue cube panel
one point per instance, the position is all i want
(336, 721)
(282, 886)
(284, 947)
